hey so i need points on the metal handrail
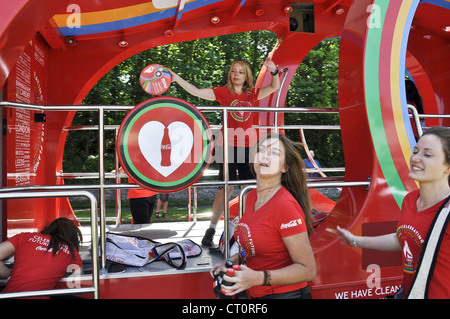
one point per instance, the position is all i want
(94, 239)
(242, 199)
(13, 191)
(434, 116)
(245, 190)
(101, 126)
(68, 188)
(415, 115)
(299, 127)
(201, 108)
(113, 175)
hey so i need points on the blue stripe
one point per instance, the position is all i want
(440, 3)
(117, 25)
(405, 113)
(133, 22)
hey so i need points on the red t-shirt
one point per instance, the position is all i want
(260, 234)
(412, 231)
(139, 192)
(240, 131)
(35, 268)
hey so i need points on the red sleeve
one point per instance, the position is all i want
(222, 95)
(290, 218)
(255, 93)
(15, 240)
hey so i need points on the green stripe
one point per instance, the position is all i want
(375, 118)
(136, 171)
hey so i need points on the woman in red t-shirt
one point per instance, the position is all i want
(41, 259)
(239, 92)
(430, 166)
(277, 257)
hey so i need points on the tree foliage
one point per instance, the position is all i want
(315, 84)
(205, 63)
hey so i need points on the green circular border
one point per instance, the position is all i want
(128, 125)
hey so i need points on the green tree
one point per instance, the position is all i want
(205, 63)
(315, 84)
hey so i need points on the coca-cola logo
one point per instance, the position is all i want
(173, 152)
(164, 144)
(166, 147)
(292, 223)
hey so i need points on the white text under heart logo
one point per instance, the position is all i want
(151, 137)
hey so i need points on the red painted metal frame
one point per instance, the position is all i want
(75, 64)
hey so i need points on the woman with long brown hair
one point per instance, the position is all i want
(41, 259)
(277, 258)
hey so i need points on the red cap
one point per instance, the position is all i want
(230, 272)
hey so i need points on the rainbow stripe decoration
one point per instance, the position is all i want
(240, 116)
(384, 75)
(124, 17)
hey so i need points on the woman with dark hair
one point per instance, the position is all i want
(277, 258)
(41, 259)
(423, 220)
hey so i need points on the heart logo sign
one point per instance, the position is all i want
(164, 144)
(150, 140)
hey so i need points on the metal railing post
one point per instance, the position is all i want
(226, 216)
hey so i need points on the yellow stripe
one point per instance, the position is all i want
(395, 76)
(98, 17)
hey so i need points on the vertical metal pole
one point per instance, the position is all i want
(195, 204)
(242, 199)
(118, 181)
(277, 104)
(416, 120)
(189, 203)
(94, 242)
(225, 176)
(101, 171)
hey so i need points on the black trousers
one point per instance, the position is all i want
(142, 209)
(239, 160)
(303, 293)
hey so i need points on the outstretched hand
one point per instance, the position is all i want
(173, 75)
(345, 236)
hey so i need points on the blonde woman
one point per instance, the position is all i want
(238, 92)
